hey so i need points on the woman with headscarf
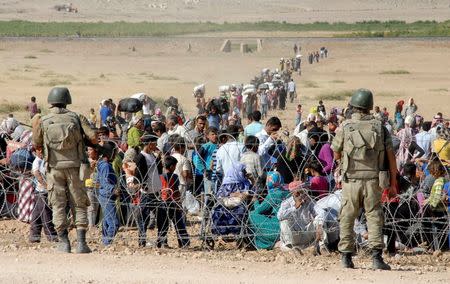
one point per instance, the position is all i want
(442, 144)
(398, 114)
(291, 161)
(408, 145)
(411, 108)
(228, 216)
(263, 219)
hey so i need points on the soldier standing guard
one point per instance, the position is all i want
(61, 134)
(364, 147)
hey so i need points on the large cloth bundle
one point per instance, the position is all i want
(263, 86)
(132, 105)
(171, 102)
(199, 91)
(224, 88)
(249, 86)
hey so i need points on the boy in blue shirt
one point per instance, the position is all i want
(107, 179)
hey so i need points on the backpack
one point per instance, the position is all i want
(63, 139)
(363, 148)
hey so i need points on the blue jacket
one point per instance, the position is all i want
(106, 178)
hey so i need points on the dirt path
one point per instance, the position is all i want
(149, 267)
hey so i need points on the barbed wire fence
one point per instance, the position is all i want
(211, 218)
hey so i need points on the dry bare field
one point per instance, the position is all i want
(95, 69)
(295, 11)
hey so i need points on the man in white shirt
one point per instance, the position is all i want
(229, 153)
(173, 127)
(292, 90)
(423, 139)
(267, 138)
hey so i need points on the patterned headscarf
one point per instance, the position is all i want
(274, 180)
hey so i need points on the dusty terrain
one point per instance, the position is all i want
(305, 11)
(96, 69)
(124, 262)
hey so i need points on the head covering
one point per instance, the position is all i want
(443, 132)
(8, 125)
(235, 175)
(274, 180)
(409, 120)
(158, 112)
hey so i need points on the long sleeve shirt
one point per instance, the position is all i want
(326, 158)
(265, 143)
(299, 218)
(227, 155)
(106, 178)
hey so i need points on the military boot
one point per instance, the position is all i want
(378, 262)
(347, 260)
(81, 240)
(64, 242)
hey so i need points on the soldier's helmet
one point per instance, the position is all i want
(59, 95)
(362, 98)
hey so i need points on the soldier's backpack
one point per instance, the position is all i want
(63, 139)
(364, 151)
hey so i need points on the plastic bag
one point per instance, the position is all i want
(191, 204)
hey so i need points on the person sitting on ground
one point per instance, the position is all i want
(318, 183)
(232, 197)
(296, 216)
(170, 209)
(292, 160)
(263, 221)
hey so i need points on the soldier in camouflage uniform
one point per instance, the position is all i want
(364, 147)
(61, 134)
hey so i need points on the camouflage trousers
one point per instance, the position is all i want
(357, 194)
(65, 190)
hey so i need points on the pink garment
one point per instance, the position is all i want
(326, 158)
(319, 186)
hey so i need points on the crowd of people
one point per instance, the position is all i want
(248, 181)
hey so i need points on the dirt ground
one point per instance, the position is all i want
(96, 69)
(305, 11)
(124, 262)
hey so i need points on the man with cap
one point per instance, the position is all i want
(62, 135)
(364, 147)
(148, 163)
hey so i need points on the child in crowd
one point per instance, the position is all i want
(321, 109)
(183, 168)
(170, 209)
(107, 181)
(92, 118)
(298, 115)
(438, 203)
(318, 182)
(251, 159)
(41, 218)
(199, 166)
(206, 154)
